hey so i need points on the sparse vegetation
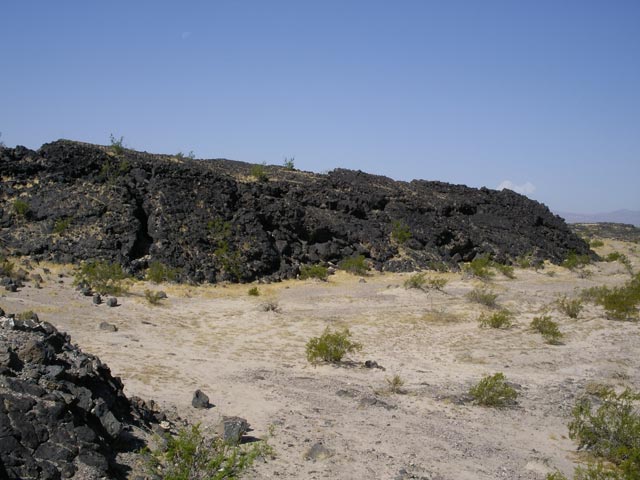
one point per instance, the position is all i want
(6, 267)
(400, 232)
(158, 272)
(395, 384)
(27, 315)
(571, 307)
(417, 281)
(20, 207)
(596, 243)
(548, 328)
(438, 266)
(525, 261)
(331, 346)
(480, 267)
(289, 163)
(619, 303)
(254, 292)
(500, 319)
(319, 272)
(117, 144)
(271, 306)
(622, 258)
(104, 277)
(61, 225)
(182, 156)
(190, 455)
(506, 270)
(493, 391)
(259, 172)
(111, 170)
(356, 265)
(437, 283)
(483, 296)
(153, 297)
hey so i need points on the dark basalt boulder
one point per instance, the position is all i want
(212, 221)
(61, 411)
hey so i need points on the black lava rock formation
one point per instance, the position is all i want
(62, 414)
(214, 221)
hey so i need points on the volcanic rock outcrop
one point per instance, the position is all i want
(212, 220)
(62, 414)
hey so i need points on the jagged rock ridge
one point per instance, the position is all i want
(214, 221)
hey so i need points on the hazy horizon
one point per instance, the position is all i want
(539, 98)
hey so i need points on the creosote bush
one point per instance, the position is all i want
(506, 270)
(20, 207)
(103, 277)
(596, 243)
(400, 232)
(259, 172)
(619, 303)
(417, 281)
(254, 292)
(117, 144)
(500, 319)
(331, 346)
(6, 267)
(548, 328)
(158, 272)
(318, 272)
(190, 455)
(570, 307)
(622, 258)
(289, 163)
(356, 265)
(483, 296)
(395, 384)
(61, 225)
(493, 391)
(575, 261)
(480, 267)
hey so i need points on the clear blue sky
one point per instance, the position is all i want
(544, 94)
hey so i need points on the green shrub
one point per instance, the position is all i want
(596, 243)
(103, 277)
(437, 283)
(417, 281)
(190, 455)
(500, 319)
(506, 270)
(319, 272)
(331, 346)
(525, 261)
(356, 265)
(480, 267)
(20, 207)
(61, 225)
(153, 297)
(548, 328)
(259, 172)
(438, 266)
(400, 232)
(484, 296)
(574, 261)
(254, 292)
(289, 163)
(117, 144)
(158, 272)
(27, 315)
(622, 258)
(6, 267)
(570, 307)
(611, 431)
(493, 391)
(620, 303)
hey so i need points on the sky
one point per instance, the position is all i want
(542, 96)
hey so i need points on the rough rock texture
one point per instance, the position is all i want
(62, 414)
(213, 221)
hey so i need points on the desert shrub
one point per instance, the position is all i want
(525, 261)
(27, 315)
(289, 163)
(506, 270)
(437, 283)
(437, 265)
(574, 261)
(254, 292)
(611, 431)
(153, 297)
(331, 346)
(596, 243)
(20, 207)
(158, 272)
(112, 170)
(117, 144)
(103, 277)
(356, 265)
(6, 267)
(500, 319)
(259, 172)
(182, 156)
(417, 281)
(493, 391)
(61, 224)
(483, 295)
(622, 258)
(480, 267)
(395, 384)
(620, 303)
(314, 271)
(190, 455)
(570, 307)
(400, 232)
(271, 306)
(548, 328)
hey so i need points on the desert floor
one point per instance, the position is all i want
(252, 363)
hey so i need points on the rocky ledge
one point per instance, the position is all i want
(216, 220)
(62, 414)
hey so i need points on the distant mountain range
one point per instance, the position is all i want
(631, 217)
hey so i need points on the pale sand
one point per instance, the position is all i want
(252, 363)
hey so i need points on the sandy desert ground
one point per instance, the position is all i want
(252, 363)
